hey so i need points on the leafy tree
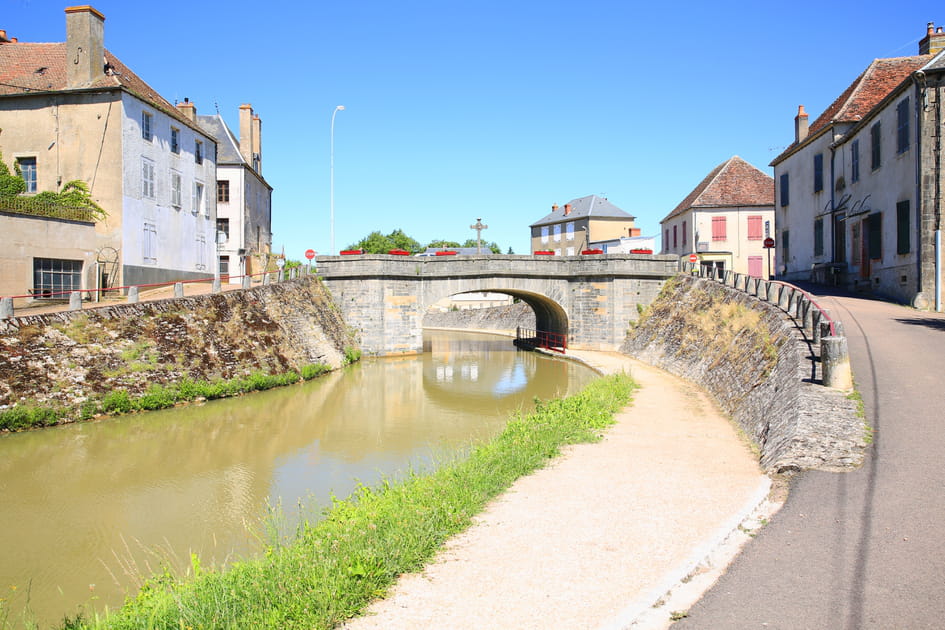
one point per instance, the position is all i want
(74, 193)
(492, 247)
(442, 243)
(377, 243)
(10, 185)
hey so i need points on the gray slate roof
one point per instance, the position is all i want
(228, 147)
(937, 63)
(591, 206)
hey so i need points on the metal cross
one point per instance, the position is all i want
(479, 227)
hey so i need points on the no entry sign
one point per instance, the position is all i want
(693, 258)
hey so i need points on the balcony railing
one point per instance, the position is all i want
(38, 208)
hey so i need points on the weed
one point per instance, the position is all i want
(677, 615)
(352, 355)
(28, 333)
(116, 402)
(82, 331)
(28, 416)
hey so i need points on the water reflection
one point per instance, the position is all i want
(105, 503)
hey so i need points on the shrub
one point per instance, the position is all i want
(117, 402)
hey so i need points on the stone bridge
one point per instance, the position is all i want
(591, 300)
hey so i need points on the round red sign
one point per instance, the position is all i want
(693, 258)
(769, 242)
(310, 253)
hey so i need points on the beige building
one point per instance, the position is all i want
(578, 224)
(73, 111)
(725, 220)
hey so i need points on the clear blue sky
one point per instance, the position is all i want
(495, 109)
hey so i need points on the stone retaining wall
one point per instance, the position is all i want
(761, 370)
(502, 319)
(61, 359)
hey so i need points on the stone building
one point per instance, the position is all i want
(575, 226)
(244, 198)
(73, 111)
(858, 192)
(725, 219)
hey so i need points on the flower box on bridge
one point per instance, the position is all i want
(351, 252)
(544, 253)
(447, 253)
(398, 252)
(641, 251)
(591, 251)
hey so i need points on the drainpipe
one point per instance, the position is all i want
(833, 206)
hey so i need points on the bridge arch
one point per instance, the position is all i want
(549, 315)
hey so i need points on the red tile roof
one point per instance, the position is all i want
(872, 86)
(734, 182)
(28, 68)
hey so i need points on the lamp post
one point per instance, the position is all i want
(332, 175)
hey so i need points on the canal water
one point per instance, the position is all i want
(88, 511)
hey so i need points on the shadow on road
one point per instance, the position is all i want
(934, 324)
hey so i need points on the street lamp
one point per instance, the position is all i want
(332, 175)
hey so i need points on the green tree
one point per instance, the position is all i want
(377, 243)
(10, 185)
(442, 243)
(492, 247)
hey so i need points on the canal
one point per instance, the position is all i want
(88, 511)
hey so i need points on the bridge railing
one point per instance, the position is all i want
(811, 318)
(529, 338)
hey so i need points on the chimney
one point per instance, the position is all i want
(567, 209)
(85, 46)
(554, 207)
(933, 41)
(800, 124)
(246, 133)
(188, 109)
(3, 37)
(257, 144)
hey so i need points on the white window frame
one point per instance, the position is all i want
(570, 251)
(176, 190)
(201, 264)
(199, 198)
(147, 126)
(29, 174)
(557, 233)
(544, 234)
(175, 140)
(147, 178)
(149, 244)
(569, 229)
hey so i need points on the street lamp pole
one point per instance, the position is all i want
(332, 176)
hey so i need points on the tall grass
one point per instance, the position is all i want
(338, 565)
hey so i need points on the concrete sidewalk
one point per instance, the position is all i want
(599, 537)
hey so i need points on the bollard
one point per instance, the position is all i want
(216, 286)
(825, 329)
(838, 329)
(132, 295)
(835, 363)
(247, 282)
(809, 317)
(815, 326)
(266, 279)
(6, 308)
(75, 301)
(178, 289)
(280, 277)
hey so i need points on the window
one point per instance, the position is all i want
(875, 235)
(902, 126)
(28, 172)
(785, 190)
(785, 245)
(718, 229)
(569, 251)
(149, 244)
(855, 161)
(755, 231)
(902, 227)
(684, 241)
(54, 278)
(146, 126)
(544, 234)
(147, 178)
(223, 191)
(818, 237)
(818, 172)
(201, 253)
(569, 230)
(175, 189)
(223, 225)
(675, 235)
(198, 151)
(876, 156)
(175, 140)
(666, 239)
(198, 207)
(225, 267)
(557, 232)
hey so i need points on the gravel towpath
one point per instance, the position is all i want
(599, 536)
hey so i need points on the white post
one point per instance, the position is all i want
(331, 171)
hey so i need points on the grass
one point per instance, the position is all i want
(157, 396)
(337, 566)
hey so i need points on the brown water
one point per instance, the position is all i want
(87, 511)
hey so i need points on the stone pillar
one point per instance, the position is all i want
(815, 326)
(809, 318)
(132, 295)
(280, 277)
(216, 287)
(266, 277)
(835, 363)
(178, 289)
(6, 308)
(75, 301)
(247, 282)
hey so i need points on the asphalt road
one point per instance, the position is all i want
(864, 549)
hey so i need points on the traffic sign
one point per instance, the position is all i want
(693, 258)
(310, 253)
(769, 243)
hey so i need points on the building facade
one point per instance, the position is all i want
(73, 111)
(725, 220)
(244, 198)
(858, 193)
(575, 226)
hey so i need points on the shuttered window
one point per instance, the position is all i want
(902, 227)
(755, 231)
(718, 229)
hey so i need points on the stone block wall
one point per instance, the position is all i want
(751, 357)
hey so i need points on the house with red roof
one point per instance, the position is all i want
(73, 111)
(724, 220)
(859, 191)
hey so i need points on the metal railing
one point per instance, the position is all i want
(530, 338)
(37, 208)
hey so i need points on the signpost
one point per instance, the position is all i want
(769, 245)
(310, 254)
(693, 258)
